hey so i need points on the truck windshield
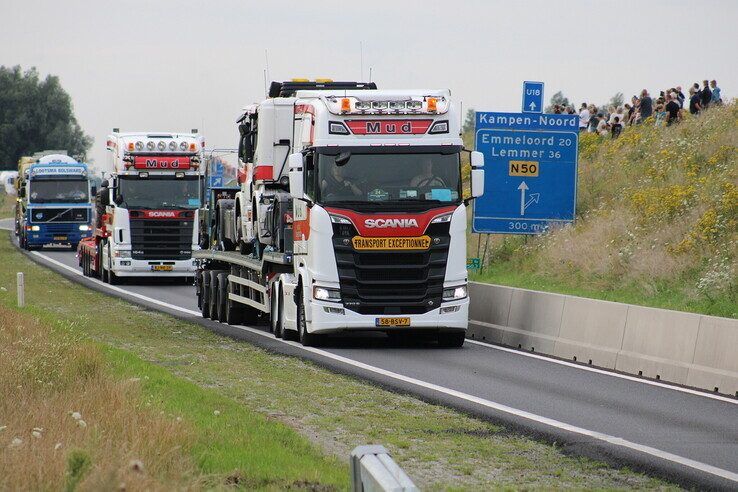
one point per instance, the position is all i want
(382, 180)
(58, 191)
(158, 192)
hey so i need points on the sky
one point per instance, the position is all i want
(176, 65)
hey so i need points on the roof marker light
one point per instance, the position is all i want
(183, 146)
(150, 145)
(193, 148)
(345, 105)
(139, 145)
(432, 104)
(161, 145)
(172, 145)
(130, 145)
(362, 105)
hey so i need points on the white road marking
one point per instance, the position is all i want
(604, 372)
(617, 441)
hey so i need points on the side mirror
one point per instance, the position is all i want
(104, 196)
(296, 185)
(477, 174)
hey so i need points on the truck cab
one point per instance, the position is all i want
(148, 208)
(54, 204)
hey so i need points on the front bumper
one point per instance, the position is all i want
(42, 237)
(323, 321)
(127, 267)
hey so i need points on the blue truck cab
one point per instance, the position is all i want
(54, 203)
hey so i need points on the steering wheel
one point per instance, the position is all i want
(428, 182)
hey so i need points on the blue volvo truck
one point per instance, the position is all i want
(54, 205)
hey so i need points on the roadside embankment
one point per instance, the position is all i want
(657, 222)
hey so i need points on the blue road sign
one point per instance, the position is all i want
(532, 97)
(530, 172)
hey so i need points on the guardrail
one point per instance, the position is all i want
(373, 469)
(684, 348)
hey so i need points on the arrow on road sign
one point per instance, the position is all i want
(532, 106)
(522, 189)
(534, 197)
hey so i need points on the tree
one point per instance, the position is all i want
(557, 99)
(469, 121)
(36, 115)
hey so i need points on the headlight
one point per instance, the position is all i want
(162, 146)
(139, 145)
(150, 145)
(454, 293)
(35, 228)
(84, 227)
(339, 219)
(122, 253)
(442, 219)
(183, 146)
(326, 294)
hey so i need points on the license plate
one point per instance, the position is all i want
(60, 238)
(390, 243)
(392, 322)
(161, 268)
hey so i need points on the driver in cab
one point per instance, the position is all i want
(426, 178)
(335, 183)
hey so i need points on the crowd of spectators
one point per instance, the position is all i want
(665, 110)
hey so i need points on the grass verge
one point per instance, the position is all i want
(192, 372)
(7, 205)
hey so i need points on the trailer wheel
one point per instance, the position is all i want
(451, 340)
(234, 311)
(222, 298)
(205, 293)
(198, 289)
(214, 295)
(85, 264)
(307, 339)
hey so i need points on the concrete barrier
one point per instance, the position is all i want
(674, 346)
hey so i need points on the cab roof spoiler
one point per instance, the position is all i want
(289, 88)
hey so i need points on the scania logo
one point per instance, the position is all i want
(161, 213)
(382, 223)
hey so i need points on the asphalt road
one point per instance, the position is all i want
(678, 433)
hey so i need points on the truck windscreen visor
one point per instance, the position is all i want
(59, 191)
(158, 192)
(386, 178)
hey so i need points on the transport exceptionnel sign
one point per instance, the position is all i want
(530, 178)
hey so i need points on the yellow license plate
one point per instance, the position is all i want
(161, 268)
(384, 322)
(60, 238)
(389, 243)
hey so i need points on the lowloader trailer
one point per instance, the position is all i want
(350, 216)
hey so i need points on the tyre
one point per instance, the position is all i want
(205, 294)
(234, 311)
(305, 338)
(198, 289)
(275, 315)
(113, 279)
(451, 340)
(213, 298)
(222, 296)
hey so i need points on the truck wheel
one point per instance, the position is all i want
(234, 311)
(451, 340)
(275, 314)
(213, 298)
(305, 338)
(205, 293)
(113, 279)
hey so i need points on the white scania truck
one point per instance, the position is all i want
(350, 215)
(147, 223)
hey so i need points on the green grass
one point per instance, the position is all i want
(7, 205)
(661, 294)
(277, 411)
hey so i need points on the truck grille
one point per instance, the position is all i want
(59, 215)
(161, 239)
(391, 282)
